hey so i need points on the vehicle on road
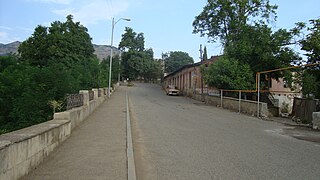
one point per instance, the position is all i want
(172, 90)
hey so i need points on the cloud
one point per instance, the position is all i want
(5, 27)
(25, 29)
(53, 1)
(95, 11)
(5, 38)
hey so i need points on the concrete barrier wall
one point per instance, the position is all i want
(77, 115)
(246, 106)
(316, 120)
(23, 150)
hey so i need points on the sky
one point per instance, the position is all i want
(166, 24)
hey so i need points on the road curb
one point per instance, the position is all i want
(130, 159)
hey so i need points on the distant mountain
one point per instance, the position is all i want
(102, 51)
(9, 48)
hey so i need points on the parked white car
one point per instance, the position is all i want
(172, 90)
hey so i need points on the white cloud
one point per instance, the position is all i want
(5, 38)
(25, 29)
(53, 1)
(5, 27)
(64, 12)
(95, 11)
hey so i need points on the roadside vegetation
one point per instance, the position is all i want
(58, 60)
(251, 45)
(53, 62)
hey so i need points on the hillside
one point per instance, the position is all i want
(9, 48)
(102, 51)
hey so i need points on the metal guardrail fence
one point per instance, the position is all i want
(74, 100)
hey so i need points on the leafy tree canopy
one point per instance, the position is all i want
(224, 19)
(137, 61)
(205, 54)
(228, 74)
(175, 60)
(310, 78)
(132, 41)
(311, 43)
(53, 62)
(241, 26)
(66, 42)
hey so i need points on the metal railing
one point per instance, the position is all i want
(74, 100)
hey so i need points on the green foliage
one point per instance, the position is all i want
(132, 41)
(116, 68)
(53, 62)
(263, 49)
(311, 43)
(138, 62)
(310, 84)
(65, 43)
(241, 26)
(229, 74)
(223, 20)
(6, 61)
(205, 54)
(23, 100)
(310, 80)
(175, 60)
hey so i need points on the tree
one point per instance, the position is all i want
(175, 60)
(104, 70)
(228, 74)
(66, 42)
(131, 40)
(311, 43)
(53, 62)
(137, 62)
(205, 54)
(310, 85)
(223, 20)
(263, 49)
(311, 76)
(241, 26)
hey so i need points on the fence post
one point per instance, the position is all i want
(221, 94)
(95, 93)
(258, 91)
(239, 102)
(85, 97)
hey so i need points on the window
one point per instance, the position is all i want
(285, 84)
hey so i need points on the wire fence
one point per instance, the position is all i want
(74, 100)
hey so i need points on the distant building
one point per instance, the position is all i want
(281, 91)
(188, 79)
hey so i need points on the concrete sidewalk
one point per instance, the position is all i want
(95, 150)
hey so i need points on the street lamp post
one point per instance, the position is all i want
(111, 51)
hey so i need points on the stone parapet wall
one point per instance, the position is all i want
(23, 150)
(316, 120)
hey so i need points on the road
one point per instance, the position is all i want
(179, 138)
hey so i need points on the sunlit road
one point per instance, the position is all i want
(179, 138)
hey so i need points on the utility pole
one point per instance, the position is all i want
(111, 51)
(201, 59)
(119, 68)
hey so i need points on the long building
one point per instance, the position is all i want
(188, 79)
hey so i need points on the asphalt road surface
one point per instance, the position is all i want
(179, 138)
